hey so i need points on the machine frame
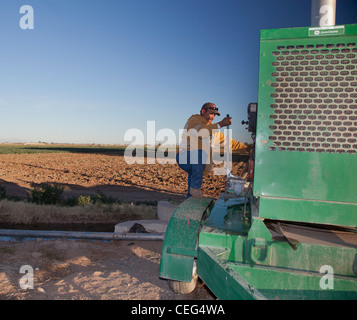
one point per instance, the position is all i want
(292, 233)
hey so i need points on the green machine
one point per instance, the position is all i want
(292, 232)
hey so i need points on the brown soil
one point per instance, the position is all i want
(65, 269)
(85, 174)
(81, 270)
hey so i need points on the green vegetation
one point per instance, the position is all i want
(46, 204)
(21, 148)
(52, 148)
(47, 194)
(27, 213)
(52, 193)
(3, 193)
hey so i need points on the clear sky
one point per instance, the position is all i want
(92, 69)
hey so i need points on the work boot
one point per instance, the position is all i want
(196, 193)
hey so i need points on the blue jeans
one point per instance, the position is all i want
(194, 163)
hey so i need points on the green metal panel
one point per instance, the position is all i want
(323, 212)
(254, 265)
(218, 275)
(226, 227)
(306, 145)
(276, 283)
(181, 237)
(308, 32)
(240, 281)
(227, 216)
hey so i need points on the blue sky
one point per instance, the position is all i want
(92, 69)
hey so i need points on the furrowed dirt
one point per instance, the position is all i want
(85, 174)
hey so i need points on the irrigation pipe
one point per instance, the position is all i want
(81, 235)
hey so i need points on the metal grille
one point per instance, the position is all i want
(315, 98)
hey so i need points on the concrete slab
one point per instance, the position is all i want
(152, 226)
(165, 210)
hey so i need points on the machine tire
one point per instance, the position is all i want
(181, 287)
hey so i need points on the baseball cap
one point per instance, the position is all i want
(211, 106)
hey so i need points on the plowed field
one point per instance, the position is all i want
(87, 173)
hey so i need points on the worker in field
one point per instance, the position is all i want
(195, 150)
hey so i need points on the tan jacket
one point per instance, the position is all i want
(199, 135)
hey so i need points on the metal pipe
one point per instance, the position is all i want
(323, 13)
(81, 235)
(227, 151)
(227, 161)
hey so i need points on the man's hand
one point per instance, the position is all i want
(225, 122)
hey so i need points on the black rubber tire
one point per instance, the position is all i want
(180, 287)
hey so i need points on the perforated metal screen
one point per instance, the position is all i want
(306, 141)
(315, 98)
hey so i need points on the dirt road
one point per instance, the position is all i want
(81, 270)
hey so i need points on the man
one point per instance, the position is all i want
(195, 147)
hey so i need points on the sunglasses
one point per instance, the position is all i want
(212, 108)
